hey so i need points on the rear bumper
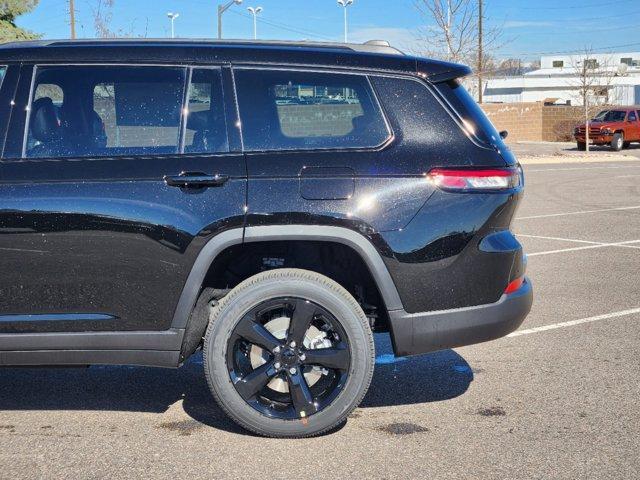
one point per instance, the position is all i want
(416, 333)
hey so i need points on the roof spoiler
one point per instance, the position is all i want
(438, 71)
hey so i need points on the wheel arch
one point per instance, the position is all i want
(350, 238)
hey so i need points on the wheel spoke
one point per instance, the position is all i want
(249, 385)
(256, 333)
(300, 321)
(335, 358)
(300, 394)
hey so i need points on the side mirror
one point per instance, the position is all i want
(504, 134)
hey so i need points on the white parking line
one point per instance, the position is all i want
(580, 212)
(588, 247)
(580, 168)
(572, 323)
(561, 239)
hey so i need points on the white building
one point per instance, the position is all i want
(615, 79)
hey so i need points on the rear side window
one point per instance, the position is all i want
(473, 118)
(632, 116)
(206, 131)
(290, 110)
(105, 111)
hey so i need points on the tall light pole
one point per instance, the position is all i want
(221, 10)
(254, 12)
(172, 16)
(344, 4)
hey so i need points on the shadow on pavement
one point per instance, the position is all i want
(397, 381)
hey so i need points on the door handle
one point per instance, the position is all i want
(195, 180)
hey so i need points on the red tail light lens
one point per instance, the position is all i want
(514, 285)
(475, 180)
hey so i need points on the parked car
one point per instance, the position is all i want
(157, 198)
(616, 127)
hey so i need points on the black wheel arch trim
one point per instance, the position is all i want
(358, 242)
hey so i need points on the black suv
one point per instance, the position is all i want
(270, 203)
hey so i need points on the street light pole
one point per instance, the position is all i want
(172, 16)
(344, 4)
(254, 12)
(221, 10)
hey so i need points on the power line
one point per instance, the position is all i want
(560, 52)
(569, 7)
(284, 26)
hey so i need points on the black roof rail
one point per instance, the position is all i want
(372, 46)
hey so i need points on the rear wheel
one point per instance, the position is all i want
(582, 146)
(617, 142)
(288, 353)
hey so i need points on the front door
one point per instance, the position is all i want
(109, 192)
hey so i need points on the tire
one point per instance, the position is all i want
(582, 146)
(225, 353)
(617, 142)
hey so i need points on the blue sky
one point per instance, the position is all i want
(530, 28)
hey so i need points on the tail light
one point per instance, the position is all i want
(514, 285)
(476, 180)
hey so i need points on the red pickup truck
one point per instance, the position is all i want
(617, 127)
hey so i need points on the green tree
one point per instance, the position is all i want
(9, 11)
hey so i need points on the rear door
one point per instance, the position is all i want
(321, 140)
(113, 176)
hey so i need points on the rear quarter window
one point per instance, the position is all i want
(291, 110)
(472, 116)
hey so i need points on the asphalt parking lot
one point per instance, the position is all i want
(560, 399)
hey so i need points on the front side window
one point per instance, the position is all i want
(632, 116)
(105, 111)
(2, 72)
(289, 110)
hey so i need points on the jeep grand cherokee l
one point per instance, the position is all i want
(272, 204)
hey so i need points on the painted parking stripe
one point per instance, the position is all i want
(560, 239)
(572, 323)
(564, 169)
(626, 244)
(580, 212)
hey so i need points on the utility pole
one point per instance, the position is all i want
(480, 62)
(72, 18)
(448, 31)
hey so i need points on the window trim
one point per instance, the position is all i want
(375, 100)
(188, 69)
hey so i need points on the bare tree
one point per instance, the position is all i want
(511, 67)
(593, 83)
(102, 21)
(452, 33)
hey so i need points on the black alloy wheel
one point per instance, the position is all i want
(288, 353)
(293, 359)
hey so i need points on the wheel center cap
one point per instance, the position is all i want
(289, 356)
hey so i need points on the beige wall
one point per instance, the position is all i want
(534, 121)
